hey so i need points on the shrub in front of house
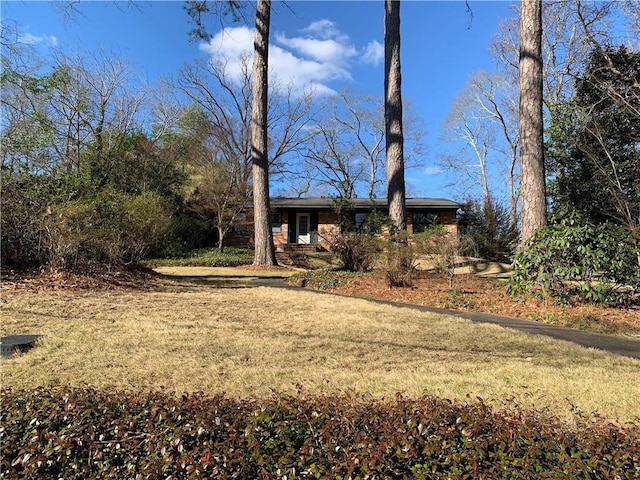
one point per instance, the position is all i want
(358, 252)
(321, 279)
(400, 267)
(88, 433)
(185, 234)
(575, 260)
(208, 257)
(443, 251)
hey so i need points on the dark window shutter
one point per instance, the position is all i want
(291, 220)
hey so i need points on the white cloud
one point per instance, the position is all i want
(318, 55)
(326, 51)
(229, 44)
(430, 171)
(373, 53)
(30, 39)
(325, 29)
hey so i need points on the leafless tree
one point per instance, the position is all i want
(345, 153)
(290, 114)
(226, 102)
(570, 27)
(220, 186)
(85, 103)
(483, 121)
(631, 8)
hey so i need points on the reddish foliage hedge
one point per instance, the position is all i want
(87, 433)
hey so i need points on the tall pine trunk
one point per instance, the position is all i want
(393, 115)
(264, 250)
(532, 182)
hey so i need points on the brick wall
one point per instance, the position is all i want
(327, 228)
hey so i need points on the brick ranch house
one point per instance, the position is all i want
(311, 221)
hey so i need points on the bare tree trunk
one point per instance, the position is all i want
(514, 192)
(393, 115)
(532, 183)
(264, 250)
(221, 233)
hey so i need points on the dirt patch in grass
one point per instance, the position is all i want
(489, 295)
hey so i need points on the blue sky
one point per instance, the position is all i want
(329, 44)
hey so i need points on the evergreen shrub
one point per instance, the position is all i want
(88, 433)
(575, 260)
(109, 228)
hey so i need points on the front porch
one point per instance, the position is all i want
(301, 247)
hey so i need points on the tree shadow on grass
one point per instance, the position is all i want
(225, 281)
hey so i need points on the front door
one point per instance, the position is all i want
(304, 233)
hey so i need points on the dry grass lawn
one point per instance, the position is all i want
(261, 340)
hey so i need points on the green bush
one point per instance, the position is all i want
(209, 257)
(87, 433)
(144, 225)
(574, 260)
(40, 226)
(358, 252)
(109, 228)
(322, 279)
(184, 235)
(489, 226)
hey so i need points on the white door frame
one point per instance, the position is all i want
(306, 238)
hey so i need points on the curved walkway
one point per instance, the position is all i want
(610, 343)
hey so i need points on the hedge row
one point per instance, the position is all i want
(87, 433)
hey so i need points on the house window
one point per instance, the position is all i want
(422, 221)
(368, 222)
(276, 222)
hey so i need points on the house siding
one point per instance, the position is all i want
(282, 238)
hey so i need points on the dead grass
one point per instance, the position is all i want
(260, 340)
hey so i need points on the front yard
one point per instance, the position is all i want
(204, 333)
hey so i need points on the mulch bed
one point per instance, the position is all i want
(489, 295)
